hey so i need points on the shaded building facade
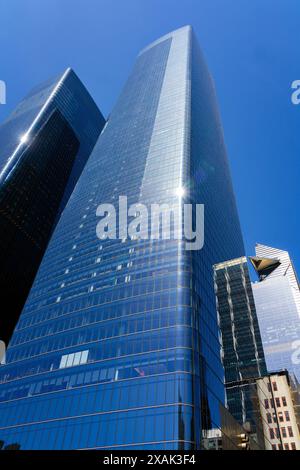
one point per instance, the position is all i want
(44, 145)
(279, 402)
(243, 355)
(118, 344)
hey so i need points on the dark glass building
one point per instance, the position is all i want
(118, 343)
(44, 145)
(243, 355)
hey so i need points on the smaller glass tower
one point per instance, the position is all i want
(243, 355)
(44, 145)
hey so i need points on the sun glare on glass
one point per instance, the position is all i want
(180, 191)
(24, 138)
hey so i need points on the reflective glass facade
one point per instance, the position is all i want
(243, 355)
(279, 324)
(44, 145)
(118, 344)
(277, 300)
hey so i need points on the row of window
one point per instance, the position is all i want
(109, 397)
(74, 359)
(98, 319)
(291, 446)
(269, 403)
(111, 293)
(151, 425)
(111, 346)
(52, 363)
(285, 432)
(281, 417)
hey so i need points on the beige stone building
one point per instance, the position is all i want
(279, 402)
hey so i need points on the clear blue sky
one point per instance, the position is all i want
(252, 49)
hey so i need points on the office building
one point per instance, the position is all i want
(242, 350)
(118, 343)
(44, 145)
(277, 300)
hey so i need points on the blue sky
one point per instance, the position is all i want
(252, 49)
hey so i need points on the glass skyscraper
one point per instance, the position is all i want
(277, 299)
(243, 355)
(118, 344)
(44, 145)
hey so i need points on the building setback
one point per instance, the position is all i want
(44, 145)
(118, 343)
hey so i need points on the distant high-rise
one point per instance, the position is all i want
(118, 343)
(44, 145)
(243, 355)
(277, 300)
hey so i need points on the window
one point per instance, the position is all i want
(274, 447)
(277, 433)
(272, 435)
(269, 390)
(275, 386)
(290, 430)
(287, 416)
(277, 399)
(69, 360)
(280, 416)
(77, 357)
(293, 446)
(266, 403)
(284, 401)
(279, 446)
(283, 432)
(84, 357)
(269, 417)
(74, 359)
(286, 447)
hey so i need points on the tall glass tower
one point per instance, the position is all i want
(118, 344)
(44, 145)
(243, 355)
(277, 299)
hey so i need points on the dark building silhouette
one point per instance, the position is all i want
(243, 355)
(44, 145)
